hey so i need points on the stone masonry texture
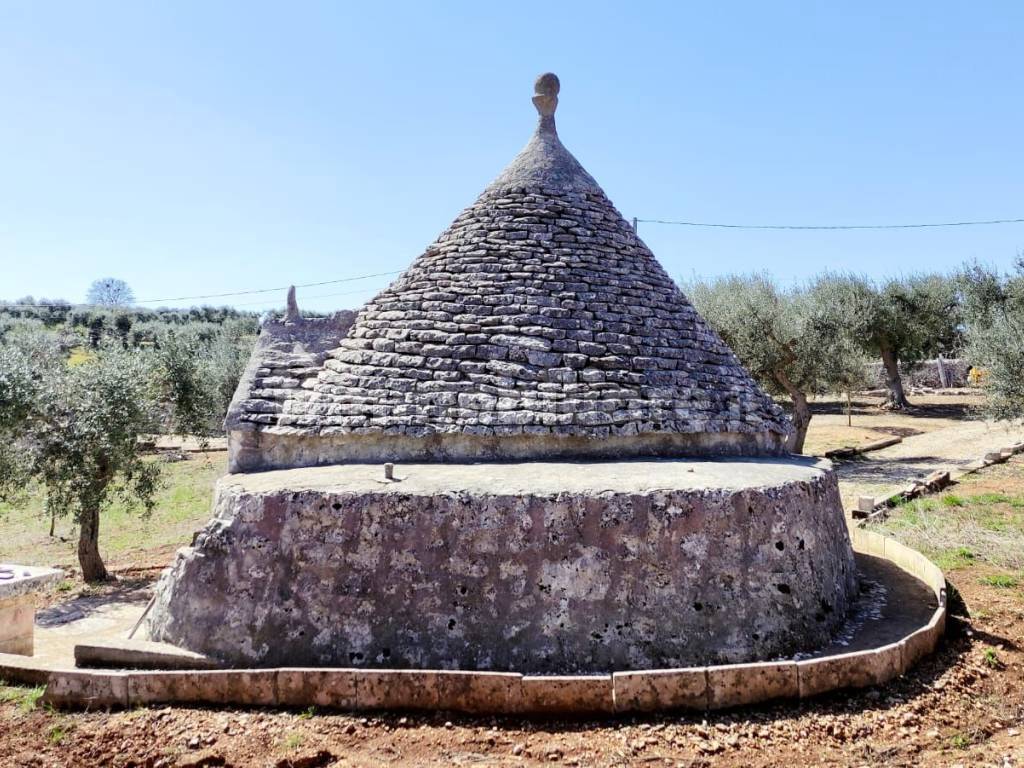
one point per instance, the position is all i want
(538, 314)
(605, 576)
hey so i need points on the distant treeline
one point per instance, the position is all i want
(79, 324)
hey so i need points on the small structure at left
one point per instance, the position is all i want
(19, 586)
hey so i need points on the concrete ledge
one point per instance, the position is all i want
(250, 687)
(697, 688)
(86, 690)
(140, 654)
(661, 689)
(567, 694)
(738, 684)
(333, 688)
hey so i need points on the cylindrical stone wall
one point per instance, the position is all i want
(534, 567)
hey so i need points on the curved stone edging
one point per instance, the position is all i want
(698, 688)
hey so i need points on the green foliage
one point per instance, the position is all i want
(1000, 581)
(991, 659)
(787, 345)
(900, 320)
(994, 311)
(198, 369)
(74, 430)
(25, 698)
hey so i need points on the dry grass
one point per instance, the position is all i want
(829, 427)
(981, 522)
(182, 506)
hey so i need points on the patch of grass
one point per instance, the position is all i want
(25, 697)
(65, 586)
(991, 659)
(57, 733)
(292, 742)
(964, 529)
(960, 741)
(307, 714)
(1000, 581)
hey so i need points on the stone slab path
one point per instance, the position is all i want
(884, 472)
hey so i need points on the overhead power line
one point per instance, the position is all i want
(62, 304)
(269, 290)
(832, 226)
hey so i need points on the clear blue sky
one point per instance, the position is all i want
(197, 147)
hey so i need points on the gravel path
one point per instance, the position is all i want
(882, 472)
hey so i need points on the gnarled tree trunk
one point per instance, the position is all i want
(801, 412)
(89, 558)
(896, 399)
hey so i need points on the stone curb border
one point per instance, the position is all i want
(697, 688)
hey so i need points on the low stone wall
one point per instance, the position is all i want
(925, 374)
(534, 568)
(697, 688)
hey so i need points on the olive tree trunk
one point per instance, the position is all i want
(89, 558)
(801, 412)
(896, 399)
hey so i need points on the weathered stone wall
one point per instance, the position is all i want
(543, 568)
(925, 373)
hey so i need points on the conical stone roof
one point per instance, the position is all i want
(538, 325)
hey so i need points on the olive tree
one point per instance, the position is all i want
(74, 430)
(789, 348)
(901, 320)
(994, 315)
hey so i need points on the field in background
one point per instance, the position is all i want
(127, 537)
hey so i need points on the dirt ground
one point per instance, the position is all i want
(829, 428)
(963, 706)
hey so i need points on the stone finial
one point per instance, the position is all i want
(291, 314)
(545, 97)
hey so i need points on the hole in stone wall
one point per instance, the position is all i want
(355, 656)
(783, 588)
(386, 653)
(462, 589)
(698, 606)
(451, 624)
(800, 545)
(755, 637)
(780, 545)
(336, 506)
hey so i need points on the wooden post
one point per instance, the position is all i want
(849, 409)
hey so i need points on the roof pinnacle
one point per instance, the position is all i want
(545, 97)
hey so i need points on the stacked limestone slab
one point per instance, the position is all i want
(589, 479)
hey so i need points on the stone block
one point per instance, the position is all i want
(735, 685)
(567, 694)
(396, 689)
(332, 688)
(17, 625)
(140, 654)
(919, 644)
(850, 670)
(86, 690)
(479, 692)
(662, 689)
(247, 687)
